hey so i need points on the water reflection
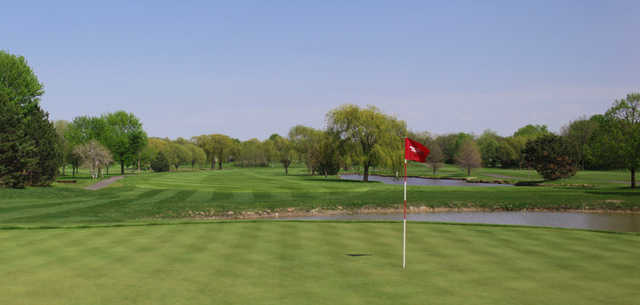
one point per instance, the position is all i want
(593, 221)
(420, 181)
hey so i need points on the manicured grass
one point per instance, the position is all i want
(618, 178)
(307, 263)
(178, 195)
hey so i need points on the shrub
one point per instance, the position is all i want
(550, 155)
(160, 163)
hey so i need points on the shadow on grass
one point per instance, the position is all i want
(623, 191)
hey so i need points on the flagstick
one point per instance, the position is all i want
(404, 230)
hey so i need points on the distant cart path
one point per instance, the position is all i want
(103, 183)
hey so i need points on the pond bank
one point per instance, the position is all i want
(425, 181)
(293, 212)
(610, 220)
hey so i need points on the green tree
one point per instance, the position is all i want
(623, 129)
(550, 155)
(197, 155)
(64, 145)
(160, 163)
(284, 151)
(378, 136)
(325, 155)
(488, 143)
(125, 137)
(179, 155)
(302, 139)
(206, 143)
(518, 144)
(82, 130)
(48, 153)
(85, 128)
(580, 134)
(222, 148)
(29, 145)
(251, 153)
(600, 153)
(506, 155)
(451, 143)
(532, 131)
(16, 148)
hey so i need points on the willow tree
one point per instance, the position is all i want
(222, 148)
(284, 151)
(206, 143)
(375, 136)
(197, 155)
(302, 139)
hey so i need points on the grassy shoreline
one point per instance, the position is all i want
(254, 192)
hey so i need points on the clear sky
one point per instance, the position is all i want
(252, 68)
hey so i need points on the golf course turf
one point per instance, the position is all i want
(136, 242)
(270, 262)
(181, 195)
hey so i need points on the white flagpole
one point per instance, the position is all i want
(404, 230)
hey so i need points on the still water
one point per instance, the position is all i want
(421, 181)
(592, 221)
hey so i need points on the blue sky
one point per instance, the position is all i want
(252, 68)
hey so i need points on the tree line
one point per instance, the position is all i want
(33, 149)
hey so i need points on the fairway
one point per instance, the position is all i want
(191, 194)
(307, 263)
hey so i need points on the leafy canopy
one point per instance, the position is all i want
(376, 137)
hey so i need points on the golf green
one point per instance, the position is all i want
(309, 263)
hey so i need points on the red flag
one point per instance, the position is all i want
(415, 151)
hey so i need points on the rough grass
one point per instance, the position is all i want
(307, 263)
(178, 195)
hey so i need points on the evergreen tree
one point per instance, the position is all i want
(160, 163)
(29, 151)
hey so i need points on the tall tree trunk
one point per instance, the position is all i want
(633, 178)
(107, 169)
(220, 164)
(468, 171)
(434, 170)
(286, 170)
(365, 176)
(213, 163)
(63, 167)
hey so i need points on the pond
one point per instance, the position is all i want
(593, 221)
(421, 181)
